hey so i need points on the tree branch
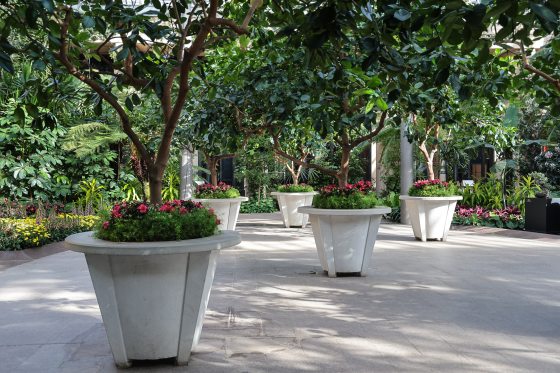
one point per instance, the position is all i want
(277, 148)
(128, 65)
(372, 134)
(534, 70)
(62, 56)
(240, 30)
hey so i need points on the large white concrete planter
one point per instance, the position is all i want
(289, 204)
(345, 238)
(152, 295)
(431, 217)
(226, 209)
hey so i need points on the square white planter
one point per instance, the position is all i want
(226, 209)
(152, 295)
(431, 217)
(289, 204)
(345, 238)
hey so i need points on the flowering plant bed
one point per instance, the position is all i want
(220, 191)
(510, 217)
(142, 221)
(24, 233)
(295, 188)
(433, 188)
(353, 196)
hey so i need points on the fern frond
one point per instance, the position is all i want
(89, 138)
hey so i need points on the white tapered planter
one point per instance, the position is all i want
(152, 295)
(289, 204)
(431, 217)
(345, 238)
(226, 209)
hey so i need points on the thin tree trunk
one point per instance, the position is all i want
(213, 166)
(342, 175)
(293, 173)
(156, 186)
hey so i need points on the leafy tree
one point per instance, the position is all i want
(148, 49)
(213, 127)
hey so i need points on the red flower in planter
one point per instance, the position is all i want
(106, 225)
(143, 209)
(116, 212)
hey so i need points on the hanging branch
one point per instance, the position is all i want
(555, 82)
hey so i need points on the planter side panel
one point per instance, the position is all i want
(102, 279)
(349, 239)
(200, 275)
(150, 295)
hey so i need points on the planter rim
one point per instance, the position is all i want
(87, 244)
(450, 198)
(316, 211)
(294, 193)
(218, 200)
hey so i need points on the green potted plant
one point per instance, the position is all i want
(152, 268)
(431, 205)
(345, 222)
(290, 197)
(224, 199)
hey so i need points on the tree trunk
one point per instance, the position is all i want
(213, 167)
(342, 175)
(293, 173)
(212, 164)
(430, 167)
(156, 186)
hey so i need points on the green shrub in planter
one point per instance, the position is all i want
(141, 221)
(433, 188)
(220, 191)
(353, 196)
(293, 188)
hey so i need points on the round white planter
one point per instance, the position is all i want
(226, 209)
(152, 295)
(289, 203)
(345, 238)
(431, 217)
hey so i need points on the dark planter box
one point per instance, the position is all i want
(541, 215)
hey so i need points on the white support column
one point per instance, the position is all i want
(406, 170)
(380, 186)
(188, 161)
(443, 170)
(373, 163)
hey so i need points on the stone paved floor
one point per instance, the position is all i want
(477, 303)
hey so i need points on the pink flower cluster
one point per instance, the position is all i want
(139, 209)
(467, 212)
(359, 187)
(207, 187)
(510, 213)
(420, 184)
(183, 207)
(129, 209)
